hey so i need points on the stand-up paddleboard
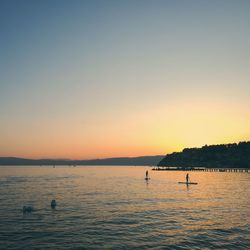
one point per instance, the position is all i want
(187, 183)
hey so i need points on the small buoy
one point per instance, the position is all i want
(27, 209)
(53, 203)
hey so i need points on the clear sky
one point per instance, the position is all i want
(88, 79)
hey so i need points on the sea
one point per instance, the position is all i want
(114, 207)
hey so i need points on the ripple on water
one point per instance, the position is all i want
(119, 210)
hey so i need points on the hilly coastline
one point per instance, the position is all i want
(128, 161)
(214, 156)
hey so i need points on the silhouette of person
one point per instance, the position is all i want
(187, 178)
(147, 174)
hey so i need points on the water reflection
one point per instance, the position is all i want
(115, 207)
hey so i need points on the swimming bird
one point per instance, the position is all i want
(28, 209)
(53, 204)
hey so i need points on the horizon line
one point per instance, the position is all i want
(115, 157)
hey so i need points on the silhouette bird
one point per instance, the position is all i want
(28, 209)
(53, 204)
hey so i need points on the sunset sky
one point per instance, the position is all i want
(94, 79)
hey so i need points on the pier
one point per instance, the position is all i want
(241, 170)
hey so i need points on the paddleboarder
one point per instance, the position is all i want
(147, 174)
(187, 178)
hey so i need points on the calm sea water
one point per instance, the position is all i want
(115, 208)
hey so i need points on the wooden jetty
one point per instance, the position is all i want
(246, 170)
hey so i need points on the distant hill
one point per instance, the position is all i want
(130, 161)
(215, 156)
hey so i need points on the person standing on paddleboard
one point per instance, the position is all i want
(147, 174)
(187, 178)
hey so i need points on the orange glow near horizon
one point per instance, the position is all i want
(151, 132)
(97, 80)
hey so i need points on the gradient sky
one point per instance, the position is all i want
(88, 79)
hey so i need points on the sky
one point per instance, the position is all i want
(96, 79)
